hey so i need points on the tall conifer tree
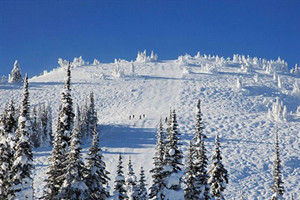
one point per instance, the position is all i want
(158, 162)
(97, 176)
(61, 142)
(199, 160)
(172, 172)
(130, 182)
(119, 189)
(142, 191)
(66, 114)
(91, 115)
(74, 184)
(277, 187)
(218, 174)
(22, 181)
(190, 190)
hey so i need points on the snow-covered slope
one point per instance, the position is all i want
(238, 115)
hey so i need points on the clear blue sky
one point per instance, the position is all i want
(38, 32)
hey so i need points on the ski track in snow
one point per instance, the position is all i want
(238, 116)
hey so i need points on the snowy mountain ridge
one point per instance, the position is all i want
(244, 100)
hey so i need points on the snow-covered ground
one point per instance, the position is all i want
(238, 115)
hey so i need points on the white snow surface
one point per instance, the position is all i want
(238, 116)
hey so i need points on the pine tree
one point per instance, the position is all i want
(57, 160)
(218, 174)
(142, 191)
(5, 162)
(130, 182)
(66, 115)
(201, 174)
(4, 169)
(35, 136)
(199, 123)
(199, 160)
(172, 172)
(49, 122)
(84, 120)
(157, 172)
(9, 121)
(277, 187)
(97, 176)
(120, 192)
(190, 192)
(22, 166)
(74, 185)
(45, 125)
(61, 142)
(91, 116)
(15, 76)
(8, 125)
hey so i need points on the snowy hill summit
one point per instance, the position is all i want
(244, 100)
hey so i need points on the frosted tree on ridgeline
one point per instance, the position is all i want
(158, 162)
(218, 174)
(119, 188)
(22, 181)
(277, 187)
(172, 169)
(15, 76)
(97, 176)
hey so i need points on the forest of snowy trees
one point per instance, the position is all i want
(69, 177)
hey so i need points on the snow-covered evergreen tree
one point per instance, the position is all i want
(5, 158)
(119, 189)
(172, 170)
(97, 176)
(9, 120)
(142, 191)
(55, 169)
(66, 115)
(61, 142)
(91, 116)
(190, 192)
(22, 181)
(4, 168)
(218, 174)
(8, 125)
(158, 162)
(131, 187)
(36, 131)
(45, 123)
(277, 187)
(74, 184)
(199, 159)
(49, 121)
(15, 76)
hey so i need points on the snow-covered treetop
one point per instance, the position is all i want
(15, 76)
(76, 62)
(143, 58)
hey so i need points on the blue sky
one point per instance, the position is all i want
(37, 32)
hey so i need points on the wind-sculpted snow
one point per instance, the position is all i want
(130, 106)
